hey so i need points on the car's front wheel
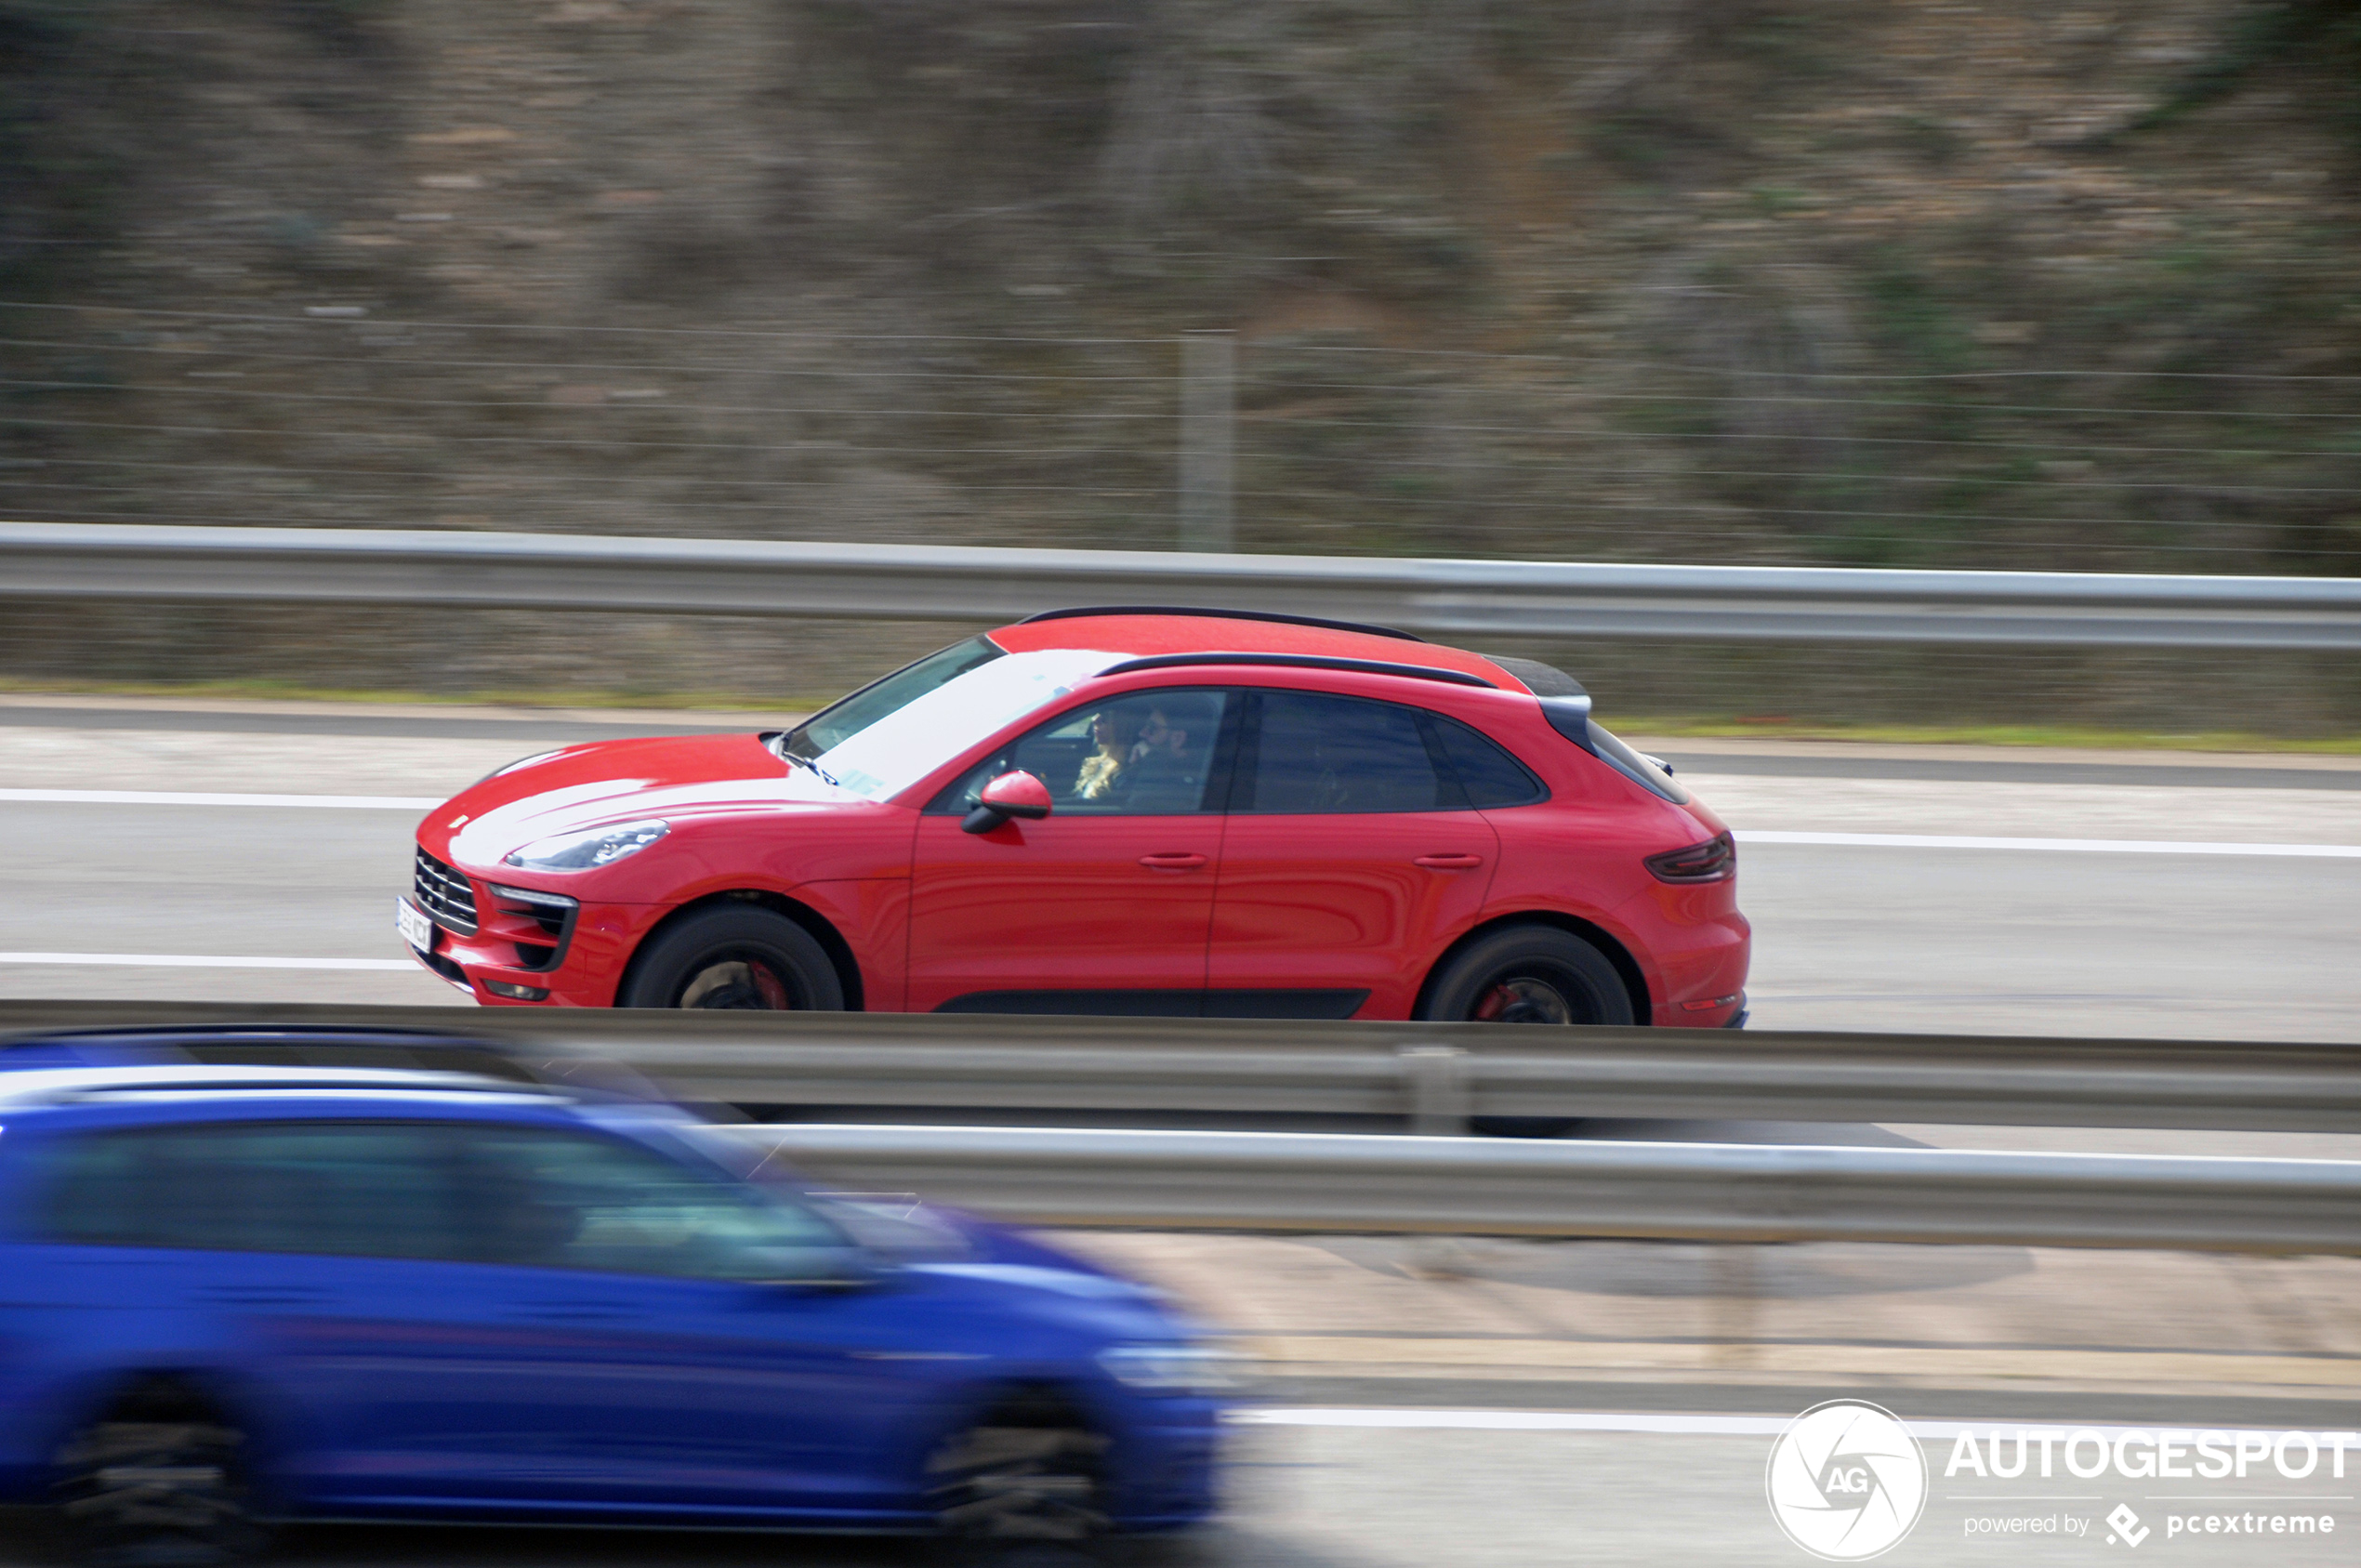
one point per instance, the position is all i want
(1027, 1477)
(736, 958)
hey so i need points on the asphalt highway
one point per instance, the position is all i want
(1605, 1406)
(1998, 909)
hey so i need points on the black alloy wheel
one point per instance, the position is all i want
(733, 959)
(143, 1490)
(1026, 1482)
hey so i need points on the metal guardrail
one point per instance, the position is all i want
(1706, 1191)
(1447, 598)
(1435, 1074)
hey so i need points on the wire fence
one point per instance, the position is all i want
(345, 418)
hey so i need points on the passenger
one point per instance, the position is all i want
(1117, 731)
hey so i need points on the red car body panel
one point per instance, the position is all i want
(1081, 903)
(1342, 902)
(923, 914)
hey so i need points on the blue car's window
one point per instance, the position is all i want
(375, 1190)
(453, 1192)
(560, 1200)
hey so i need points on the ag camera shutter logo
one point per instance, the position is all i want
(1846, 1481)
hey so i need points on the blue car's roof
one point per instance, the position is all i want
(262, 1046)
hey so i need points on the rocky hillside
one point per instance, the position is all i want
(2068, 283)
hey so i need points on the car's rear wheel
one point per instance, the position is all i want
(151, 1485)
(734, 959)
(1528, 974)
(1026, 1479)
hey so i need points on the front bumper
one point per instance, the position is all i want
(582, 970)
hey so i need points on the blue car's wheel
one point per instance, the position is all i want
(1026, 1473)
(155, 1488)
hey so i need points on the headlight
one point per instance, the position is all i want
(582, 851)
(1171, 1369)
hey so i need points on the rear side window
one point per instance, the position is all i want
(1490, 775)
(448, 1192)
(1318, 755)
(363, 1189)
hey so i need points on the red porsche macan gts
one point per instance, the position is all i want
(1131, 811)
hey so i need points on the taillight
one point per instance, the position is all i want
(1716, 860)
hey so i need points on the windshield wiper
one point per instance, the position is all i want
(802, 761)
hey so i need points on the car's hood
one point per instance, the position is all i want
(605, 781)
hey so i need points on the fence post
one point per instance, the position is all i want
(1208, 413)
(1434, 1082)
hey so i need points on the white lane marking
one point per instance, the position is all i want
(203, 961)
(190, 798)
(1517, 1421)
(2065, 846)
(1625, 1421)
(1745, 836)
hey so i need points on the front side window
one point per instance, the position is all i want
(547, 1198)
(897, 749)
(360, 1190)
(1318, 755)
(1149, 754)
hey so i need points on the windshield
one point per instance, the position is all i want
(898, 749)
(840, 721)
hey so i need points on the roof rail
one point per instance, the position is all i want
(1222, 615)
(1302, 661)
(266, 1045)
(63, 1085)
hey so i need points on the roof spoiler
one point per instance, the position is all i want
(1564, 701)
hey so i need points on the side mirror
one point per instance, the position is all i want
(1011, 795)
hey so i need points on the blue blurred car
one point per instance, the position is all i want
(242, 1280)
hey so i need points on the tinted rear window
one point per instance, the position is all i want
(1318, 755)
(377, 1190)
(1490, 775)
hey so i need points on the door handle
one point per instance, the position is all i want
(1172, 861)
(1449, 862)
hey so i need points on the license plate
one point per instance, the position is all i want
(415, 929)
